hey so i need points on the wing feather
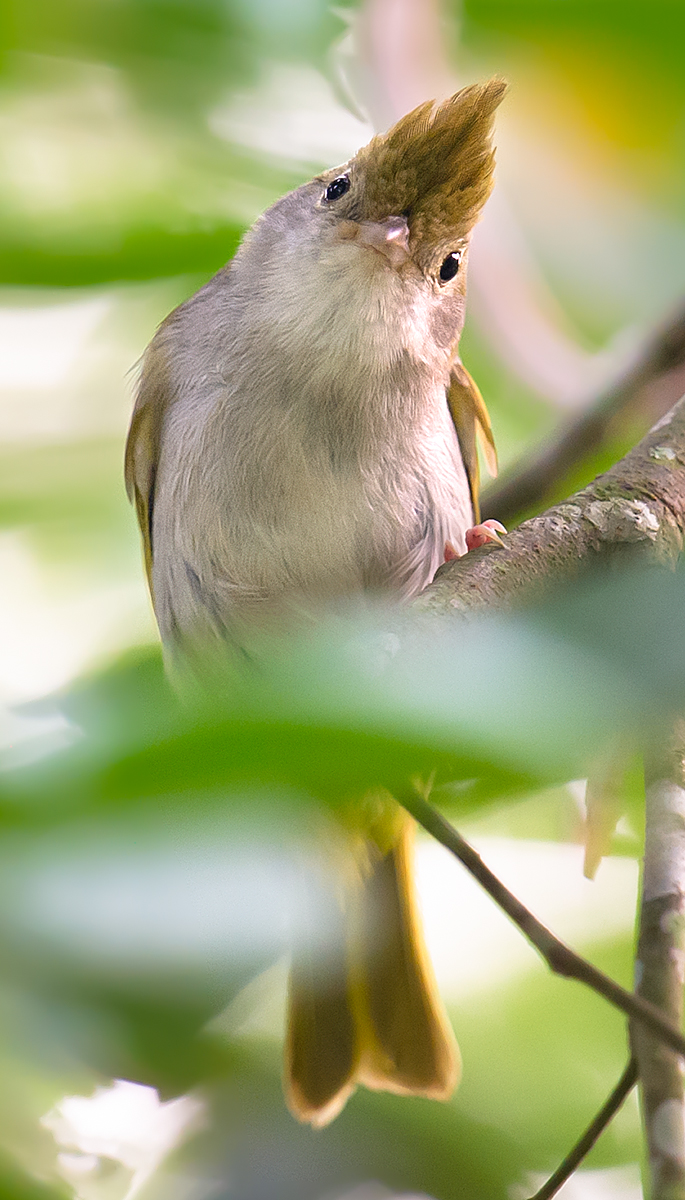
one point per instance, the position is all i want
(472, 423)
(143, 445)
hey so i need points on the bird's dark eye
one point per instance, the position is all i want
(338, 187)
(450, 266)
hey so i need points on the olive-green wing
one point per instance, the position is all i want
(143, 442)
(472, 423)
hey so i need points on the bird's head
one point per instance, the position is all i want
(370, 257)
(414, 194)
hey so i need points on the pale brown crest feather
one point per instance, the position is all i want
(413, 125)
(472, 423)
(142, 445)
(435, 166)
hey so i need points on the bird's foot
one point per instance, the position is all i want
(479, 535)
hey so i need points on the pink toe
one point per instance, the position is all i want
(480, 535)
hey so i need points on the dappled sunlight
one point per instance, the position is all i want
(42, 348)
(111, 1143)
(294, 115)
(66, 359)
(473, 945)
(612, 1183)
(54, 624)
(72, 138)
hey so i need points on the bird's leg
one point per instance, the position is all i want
(479, 535)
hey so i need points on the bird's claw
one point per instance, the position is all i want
(480, 535)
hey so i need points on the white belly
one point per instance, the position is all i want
(269, 524)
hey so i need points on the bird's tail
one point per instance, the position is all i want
(373, 1015)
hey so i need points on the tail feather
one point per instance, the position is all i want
(321, 1055)
(407, 1043)
(321, 1050)
(378, 1018)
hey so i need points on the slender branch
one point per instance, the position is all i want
(596, 1127)
(660, 966)
(558, 956)
(531, 482)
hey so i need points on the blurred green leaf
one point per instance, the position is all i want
(546, 1053)
(371, 701)
(422, 1146)
(14, 1185)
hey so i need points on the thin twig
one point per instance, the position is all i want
(558, 956)
(596, 1127)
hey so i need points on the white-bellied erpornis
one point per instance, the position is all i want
(304, 430)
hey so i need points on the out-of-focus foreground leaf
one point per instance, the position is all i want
(152, 865)
(157, 805)
(14, 1185)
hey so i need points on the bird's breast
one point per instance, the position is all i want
(263, 508)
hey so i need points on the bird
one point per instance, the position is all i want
(304, 431)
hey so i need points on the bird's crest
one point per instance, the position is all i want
(435, 166)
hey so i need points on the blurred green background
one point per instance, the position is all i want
(149, 856)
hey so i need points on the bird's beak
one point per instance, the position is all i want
(389, 237)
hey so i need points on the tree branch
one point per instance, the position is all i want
(596, 1127)
(638, 506)
(530, 483)
(558, 956)
(660, 965)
